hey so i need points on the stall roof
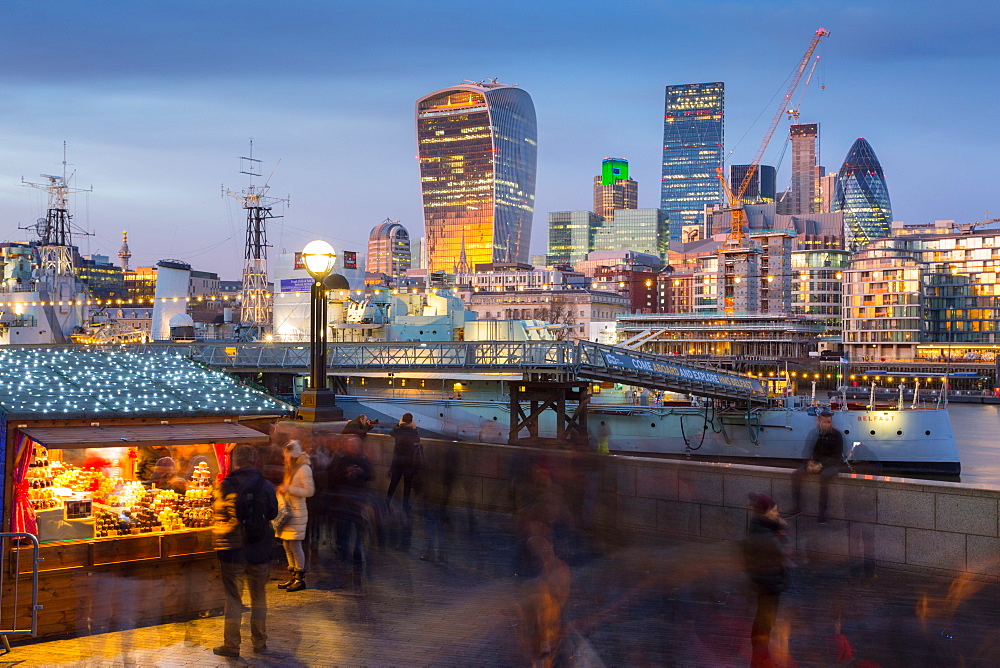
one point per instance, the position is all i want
(54, 382)
(151, 434)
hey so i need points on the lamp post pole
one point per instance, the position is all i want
(318, 403)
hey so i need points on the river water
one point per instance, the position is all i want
(977, 433)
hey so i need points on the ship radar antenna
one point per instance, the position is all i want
(256, 299)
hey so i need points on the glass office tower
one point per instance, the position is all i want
(762, 187)
(692, 152)
(862, 195)
(477, 146)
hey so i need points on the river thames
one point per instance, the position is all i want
(977, 433)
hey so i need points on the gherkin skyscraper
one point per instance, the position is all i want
(862, 195)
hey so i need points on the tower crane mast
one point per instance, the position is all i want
(738, 229)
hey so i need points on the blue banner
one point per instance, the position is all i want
(643, 365)
(296, 284)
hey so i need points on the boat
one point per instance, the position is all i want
(911, 441)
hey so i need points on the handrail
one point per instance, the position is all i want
(11, 546)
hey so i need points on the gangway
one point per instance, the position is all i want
(554, 361)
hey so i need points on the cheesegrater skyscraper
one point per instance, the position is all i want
(477, 146)
(692, 152)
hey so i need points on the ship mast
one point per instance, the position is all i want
(256, 299)
(55, 233)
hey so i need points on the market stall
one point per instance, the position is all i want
(111, 460)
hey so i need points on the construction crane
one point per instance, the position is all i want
(793, 113)
(969, 228)
(738, 229)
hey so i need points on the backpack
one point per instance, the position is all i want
(251, 515)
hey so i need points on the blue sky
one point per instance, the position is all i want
(158, 100)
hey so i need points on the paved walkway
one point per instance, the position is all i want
(672, 604)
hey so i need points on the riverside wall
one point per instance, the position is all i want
(907, 523)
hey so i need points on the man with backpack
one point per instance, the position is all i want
(245, 504)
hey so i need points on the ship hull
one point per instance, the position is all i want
(910, 441)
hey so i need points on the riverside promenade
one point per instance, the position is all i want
(653, 602)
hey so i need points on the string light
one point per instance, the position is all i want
(121, 302)
(85, 381)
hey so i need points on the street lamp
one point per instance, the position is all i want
(318, 403)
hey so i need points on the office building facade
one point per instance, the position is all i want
(692, 152)
(571, 235)
(477, 147)
(642, 230)
(762, 186)
(861, 193)
(389, 249)
(613, 189)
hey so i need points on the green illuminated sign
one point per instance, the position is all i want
(614, 169)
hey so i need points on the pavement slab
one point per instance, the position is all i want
(652, 603)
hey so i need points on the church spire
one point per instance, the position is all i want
(463, 261)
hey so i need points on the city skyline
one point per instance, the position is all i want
(157, 103)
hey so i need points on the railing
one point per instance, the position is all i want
(18, 609)
(550, 358)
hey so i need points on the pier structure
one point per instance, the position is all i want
(555, 375)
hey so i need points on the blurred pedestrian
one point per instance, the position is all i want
(407, 458)
(765, 561)
(298, 486)
(350, 479)
(825, 453)
(245, 504)
(544, 601)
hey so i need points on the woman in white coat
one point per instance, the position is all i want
(297, 487)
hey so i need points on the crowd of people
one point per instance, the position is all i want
(318, 500)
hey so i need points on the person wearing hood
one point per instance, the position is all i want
(765, 561)
(407, 458)
(297, 486)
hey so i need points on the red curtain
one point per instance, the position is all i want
(222, 455)
(23, 520)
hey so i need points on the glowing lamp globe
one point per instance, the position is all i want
(318, 257)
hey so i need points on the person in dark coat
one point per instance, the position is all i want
(359, 426)
(824, 458)
(350, 477)
(240, 559)
(765, 561)
(406, 456)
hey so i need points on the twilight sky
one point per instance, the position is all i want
(158, 100)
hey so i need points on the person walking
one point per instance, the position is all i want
(765, 562)
(298, 486)
(350, 478)
(245, 504)
(825, 454)
(407, 459)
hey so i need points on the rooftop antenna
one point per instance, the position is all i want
(256, 300)
(55, 230)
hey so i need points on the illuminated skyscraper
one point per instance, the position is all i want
(477, 145)
(613, 189)
(862, 195)
(692, 152)
(388, 249)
